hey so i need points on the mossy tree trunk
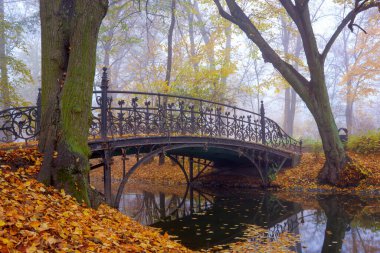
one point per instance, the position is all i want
(69, 31)
(312, 87)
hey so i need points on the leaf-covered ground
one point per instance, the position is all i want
(304, 176)
(36, 218)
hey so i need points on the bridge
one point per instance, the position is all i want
(149, 124)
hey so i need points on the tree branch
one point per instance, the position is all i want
(239, 18)
(350, 17)
(223, 13)
(300, 14)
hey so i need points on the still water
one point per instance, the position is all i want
(202, 219)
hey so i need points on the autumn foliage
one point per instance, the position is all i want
(36, 218)
(362, 173)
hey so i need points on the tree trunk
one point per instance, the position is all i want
(169, 65)
(170, 45)
(333, 148)
(190, 18)
(285, 38)
(69, 36)
(293, 94)
(227, 58)
(349, 107)
(4, 79)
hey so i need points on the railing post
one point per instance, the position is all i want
(38, 112)
(104, 104)
(262, 123)
(191, 169)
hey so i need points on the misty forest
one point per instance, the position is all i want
(190, 126)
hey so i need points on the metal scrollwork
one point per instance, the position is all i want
(18, 124)
(153, 114)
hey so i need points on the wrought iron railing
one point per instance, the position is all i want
(19, 124)
(123, 114)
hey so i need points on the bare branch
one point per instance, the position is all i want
(349, 19)
(239, 18)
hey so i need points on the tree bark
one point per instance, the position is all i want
(69, 31)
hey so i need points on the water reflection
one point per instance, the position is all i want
(325, 223)
(150, 207)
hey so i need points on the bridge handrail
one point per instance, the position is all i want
(190, 98)
(158, 116)
(177, 96)
(19, 123)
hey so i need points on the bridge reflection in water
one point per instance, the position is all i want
(148, 124)
(201, 220)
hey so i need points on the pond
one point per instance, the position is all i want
(201, 219)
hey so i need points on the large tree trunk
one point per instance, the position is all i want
(69, 31)
(333, 148)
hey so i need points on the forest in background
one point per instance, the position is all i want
(211, 58)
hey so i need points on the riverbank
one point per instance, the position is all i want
(36, 218)
(304, 176)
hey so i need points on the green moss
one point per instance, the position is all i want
(74, 184)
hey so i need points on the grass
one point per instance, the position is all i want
(366, 143)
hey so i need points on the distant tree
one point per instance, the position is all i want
(360, 67)
(312, 87)
(69, 30)
(13, 72)
(115, 39)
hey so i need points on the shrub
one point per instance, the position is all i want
(313, 146)
(365, 144)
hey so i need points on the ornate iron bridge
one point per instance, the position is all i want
(153, 123)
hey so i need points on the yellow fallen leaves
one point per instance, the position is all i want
(256, 239)
(305, 174)
(36, 218)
